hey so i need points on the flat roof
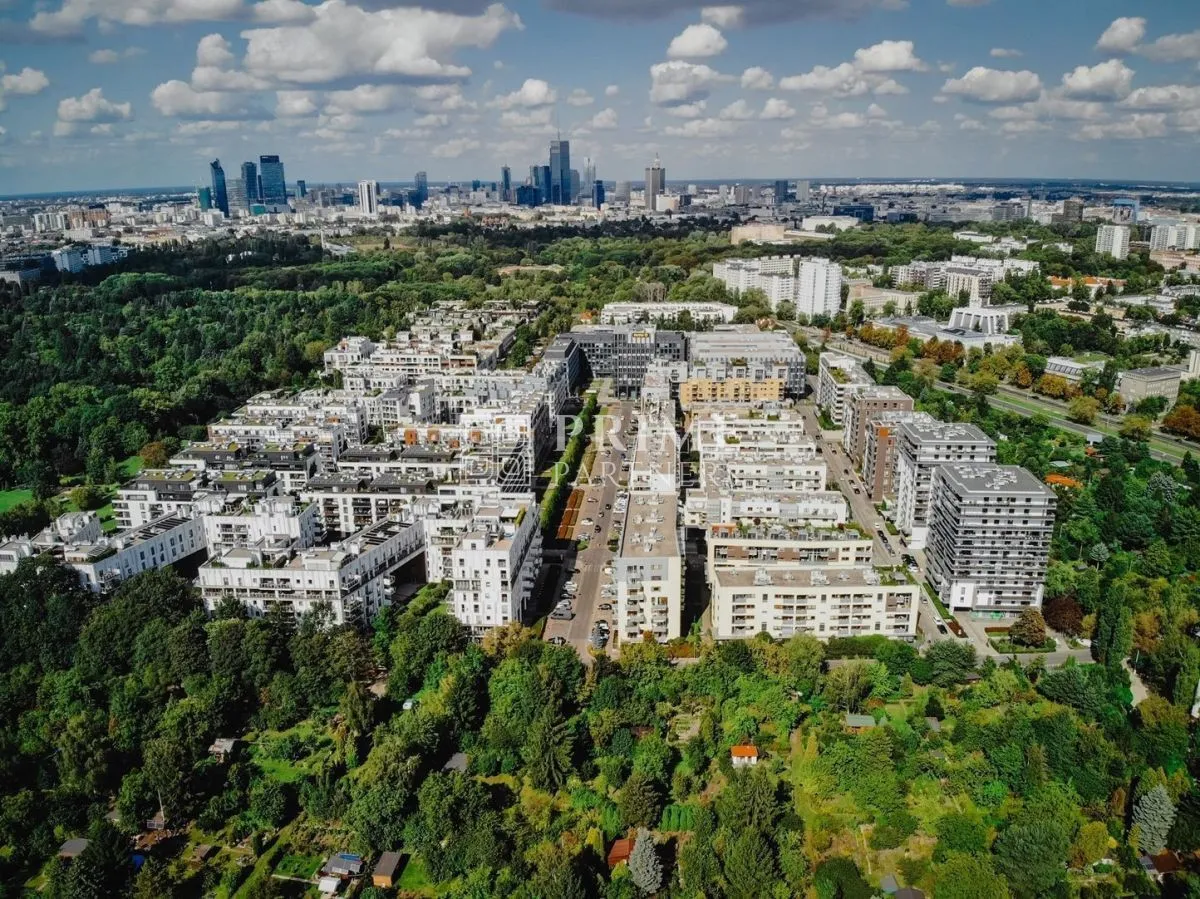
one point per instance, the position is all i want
(989, 479)
(944, 432)
(806, 576)
(650, 523)
(1156, 373)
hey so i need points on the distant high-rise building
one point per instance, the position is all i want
(527, 195)
(624, 189)
(803, 189)
(597, 194)
(250, 179)
(656, 183)
(589, 173)
(301, 189)
(576, 185)
(219, 194)
(1112, 240)
(781, 192)
(239, 199)
(274, 186)
(421, 185)
(1073, 210)
(204, 195)
(544, 183)
(368, 197)
(506, 184)
(560, 171)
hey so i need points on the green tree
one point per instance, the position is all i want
(1031, 856)
(640, 802)
(959, 832)
(1029, 629)
(699, 867)
(645, 867)
(1091, 844)
(839, 878)
(968, 876)
(1153, 815)
(749, 866)
(749, 801)
(950, 662)
(1083, 409)
(548, 753)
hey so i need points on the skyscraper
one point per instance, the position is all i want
(597, 194)
(204, 195)
(589, 173)
(368, 197)
(219, 194)
(560, 172)
(781, 192)
(506, 184)
(421, 183)
(576, 185)
(250, 179)
(802, 191)
(239, 198)
(274, 187)
(301, 189)
(656, 183)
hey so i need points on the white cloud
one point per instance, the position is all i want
(888, 56)
(1005, 53)
(432, 120)
(1049, 106)
(1109, 80)
(688, 110)
(738, 110)
(282, 12)
(875, 111)
(985, 85)
(1173, 47)
(213, 50)
(25, 83)
(1135, 127)
(179, 99)
(452, 149)
(890, 87)
(697, 41)
(104, 57)
(343, 41)
(93, 107)
(1023, 126)
(1164, 96)
(604, 120)
(69, 19)
(446, 97)
(612, 90)
(531, 118)
(757, 78)
(294, 104)
(722, 16)
(677, 82)
(842, 81)
(1122, 35)
(966, 123)
(776, 108)
(701, 128)
(366, 98)
(580, 97)
(533, 93)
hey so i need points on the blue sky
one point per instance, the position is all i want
(108, 93)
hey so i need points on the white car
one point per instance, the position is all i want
(587, 522)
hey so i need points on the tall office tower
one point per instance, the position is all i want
(656, 183)
(781, 192)
(544, 183)
(301, 189)
(506, 184)
(597, 194)
(1073, 210)
(250, 179)
(238, 198)
(803, 190)
(576, 185)
(274, 187)
(219, 194)
(589, 173)
(368, 197)
(421, 183)
(1112, 240)
(204, 195)
(623, 191)
(560, 172)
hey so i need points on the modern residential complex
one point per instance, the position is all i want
(920, 449)
(1112, 240)
(811, 286)
(838, 379)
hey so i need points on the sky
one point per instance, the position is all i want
(128, 93)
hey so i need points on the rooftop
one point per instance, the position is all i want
(650, 526)
(804, 577)
(923, 432)
(989, 479)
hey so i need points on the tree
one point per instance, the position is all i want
(1091, 844)
(964, 876)
(270, 802)
(839, 878)
(699, 867)
(1031, 856)
(950, 662)
(645, 867)
(1135, 427)
(749, 866)
(1064, 614)
(960, 833)
(1029, 629)
(749, 801)
(640, 802)
(1153, 815)
(1083, 409)
(547, 754)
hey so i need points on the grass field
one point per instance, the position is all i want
(10, 498)
(414, 879)
(302, 866)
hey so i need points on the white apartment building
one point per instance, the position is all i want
(278, 520)
(350, 581)
(838, 378)
(496, 564)
(1175, 237)
(715, 504)
(818, 288)
(975, 284)
(920, 448)
(1112, 240)
(648, 570)
(989, 536)
(154, 493)
(813, 286)
(103, 562)
(636, 313)
(368, 198)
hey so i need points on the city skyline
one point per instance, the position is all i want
(95, 95)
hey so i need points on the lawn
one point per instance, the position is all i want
(10, 498)
(291, 770)
(303, 866)
(414, 878)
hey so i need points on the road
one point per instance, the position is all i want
(597, 506)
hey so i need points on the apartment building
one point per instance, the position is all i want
(1112, 240)
(742, 352)
(624, 352)
(638, 313)
(1175, 237)
(292, 464)
(696, 392)
(347, 582)
(154, 493)
(812, 286)
(496, 564)
(714, 504)
(990, 528)
(920, 449)
(242, 522)
(862, 406)
(648, 570)
(838, 378)
(974, 284)
(1138, 384)
(878, 459)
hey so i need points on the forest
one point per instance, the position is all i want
(507, 767)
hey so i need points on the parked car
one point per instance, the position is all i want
(605, 607)
(558, 641)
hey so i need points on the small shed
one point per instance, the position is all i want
(935, 726)
(223, 748)
(744, 756)
(384, 875)
(457, 762)
(157, 823)
(344, 864)
(856, 724)
(328, 886)
(72, 848)
(620, 851)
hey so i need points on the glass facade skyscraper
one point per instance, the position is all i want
(560, 172)
(250, 179)
(274, 187)
(220, 196)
